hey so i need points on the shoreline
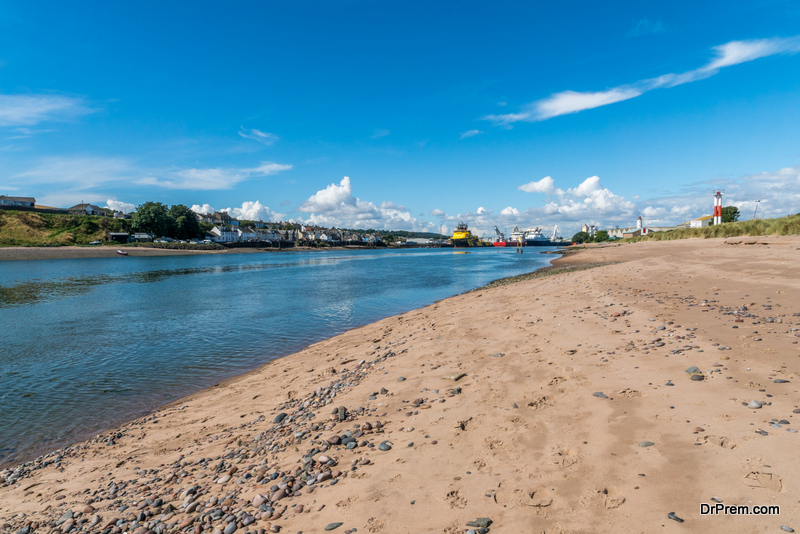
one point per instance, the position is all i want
(487, 436)
(60, 445)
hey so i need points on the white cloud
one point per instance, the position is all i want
(545, 185)
(116, 205)
(377, 134)
(566, 102)
(265, 138)
(255, 211)
(28, 110)
(437, 212)
(205, 209)
(481, 211)
(470, 133)
(211, 179)
(336, 206)
(509, 211)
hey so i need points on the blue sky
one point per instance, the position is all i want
(507, 113)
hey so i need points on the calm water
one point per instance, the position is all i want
(85, 344)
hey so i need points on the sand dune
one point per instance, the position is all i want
(561, 404)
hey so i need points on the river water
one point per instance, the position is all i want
(87, 344)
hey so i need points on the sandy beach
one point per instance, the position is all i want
(562, 404)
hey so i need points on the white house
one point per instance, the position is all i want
(245, 233)
(700, 222)
(224, 234)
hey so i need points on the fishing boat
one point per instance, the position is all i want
(462, 237)
(122, 253)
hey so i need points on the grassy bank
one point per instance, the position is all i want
(782, 226)
(25, 228)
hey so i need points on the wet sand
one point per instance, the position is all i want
(560, 404)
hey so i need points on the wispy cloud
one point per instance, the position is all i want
(645, 26)
(470, 133)
(377, 133)
(29, 110)
(566, 102)
(210, 179)
(265, 138)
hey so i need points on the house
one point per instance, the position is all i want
(224, 234)
(700, 222)
(25, 202)
(631, 232)
(86, 209)
(245, 233)
(118, 237)
(221, 218)
(143, 237)
(205, 218)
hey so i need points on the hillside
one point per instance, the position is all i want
(24, 228)
(782, 226)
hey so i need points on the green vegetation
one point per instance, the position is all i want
(601, 236)
(730, 214)
(783, 226)
(581, 237)
(25, 228)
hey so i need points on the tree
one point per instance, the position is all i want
(186, 224)
(580, 237)
(153, 218)
(730, 214)
(601, 236)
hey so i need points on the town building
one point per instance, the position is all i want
(86, 209)
(24, 202)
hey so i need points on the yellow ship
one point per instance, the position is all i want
(462, 237)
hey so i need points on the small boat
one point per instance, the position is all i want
(122, 253)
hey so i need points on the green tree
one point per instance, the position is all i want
(730, 214)
(186, 224)
(154, 218)
(601, 236)
(581, 237)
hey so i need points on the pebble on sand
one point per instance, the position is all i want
(332, 526)
(754, 404)
(674, 517)
(646, 443)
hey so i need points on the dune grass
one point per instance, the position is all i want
(757, 227)
(25, 228)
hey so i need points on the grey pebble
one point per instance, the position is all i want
(780, 381)
(385, 446)
(787, 529)
(400, 379)
(332, 526)
(646, 443)
(231, 528)
(600, 394)
(674, 517)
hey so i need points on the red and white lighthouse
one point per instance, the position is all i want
(718, 208)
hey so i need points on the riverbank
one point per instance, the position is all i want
(553, 404)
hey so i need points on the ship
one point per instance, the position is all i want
(462, 237)
(516, 238)
(535, 238)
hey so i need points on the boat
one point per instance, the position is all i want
(535, 238)
(462, 237)
(122, 253)
(515, 240)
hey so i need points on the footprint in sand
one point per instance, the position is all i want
(455, 500)
(755, 479)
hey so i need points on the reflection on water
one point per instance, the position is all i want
(85, 344)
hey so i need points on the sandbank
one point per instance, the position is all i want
(572, 412)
